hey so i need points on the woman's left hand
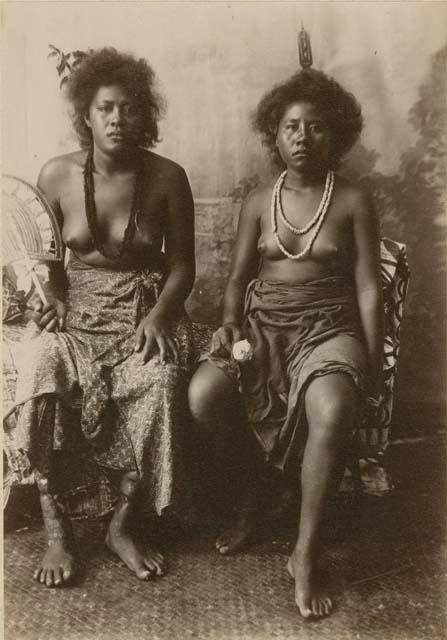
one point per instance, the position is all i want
(153, 332)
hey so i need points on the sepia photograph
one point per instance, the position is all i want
(224, 364)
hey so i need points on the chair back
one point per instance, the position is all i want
(374, 431)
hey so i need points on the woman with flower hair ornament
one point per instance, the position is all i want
(304, 289)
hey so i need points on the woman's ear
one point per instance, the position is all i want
(87, 122)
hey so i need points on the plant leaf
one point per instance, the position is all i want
(63, 64)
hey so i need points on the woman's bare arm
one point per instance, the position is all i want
(368, 281)
(179, 248)
(52, 315)
(244, 265)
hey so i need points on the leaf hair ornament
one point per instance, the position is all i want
(31, 232)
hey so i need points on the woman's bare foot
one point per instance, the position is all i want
(310, 602)
(58, 565)
(237, 534)
(144, 561)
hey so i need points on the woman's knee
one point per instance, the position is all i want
(333, 412)
(129, 483)
(208, 391)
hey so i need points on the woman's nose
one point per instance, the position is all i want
(117, 114)
(302, 132)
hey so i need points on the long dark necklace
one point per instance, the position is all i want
(92, 218)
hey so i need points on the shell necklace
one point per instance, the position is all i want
(317, 220)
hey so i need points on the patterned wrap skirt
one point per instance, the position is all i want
(134, 417)
(297, 332)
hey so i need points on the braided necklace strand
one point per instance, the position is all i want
(316, 221)
(91, 214)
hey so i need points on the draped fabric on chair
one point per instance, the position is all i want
(373, 436)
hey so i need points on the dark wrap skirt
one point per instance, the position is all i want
(298, 332)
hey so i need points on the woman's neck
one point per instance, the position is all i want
(108, 164)
(300, 180)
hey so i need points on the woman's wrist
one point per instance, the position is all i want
(162, 313)
(231, 322)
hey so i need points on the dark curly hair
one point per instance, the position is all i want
(339, 108)
(106, 67)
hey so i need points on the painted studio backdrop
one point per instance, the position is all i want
(214, 61)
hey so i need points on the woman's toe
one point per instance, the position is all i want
(304, 609)
(159, 568)
(67, 573)
(58, 576)
(306, 612)
(143, 574)
(49, 580)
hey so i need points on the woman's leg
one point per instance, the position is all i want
(331, 404)
(230, 449)
(151, 410)
(144, 561)
(59, 562)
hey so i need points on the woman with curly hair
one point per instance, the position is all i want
(304, 291)
(114, 332)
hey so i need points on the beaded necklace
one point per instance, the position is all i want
(91, 214)
(317, 220)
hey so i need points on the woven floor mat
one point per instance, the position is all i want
(384, 562)
(383, 591)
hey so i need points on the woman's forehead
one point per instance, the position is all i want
(302, 109)
(113, 93)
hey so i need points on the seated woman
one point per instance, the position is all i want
(115, 327)
(306, 262)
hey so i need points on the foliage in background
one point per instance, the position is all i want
(65, 62)
(243, 188)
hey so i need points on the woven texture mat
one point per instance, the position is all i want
(384, 564)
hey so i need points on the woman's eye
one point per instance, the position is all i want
(316, 128)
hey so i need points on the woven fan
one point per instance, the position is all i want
(31, 232)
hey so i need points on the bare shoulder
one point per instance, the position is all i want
(257, 200)
(162, 166)
(356, 199)
(56, 171)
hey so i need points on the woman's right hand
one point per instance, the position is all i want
(225, 337)
(51, 316)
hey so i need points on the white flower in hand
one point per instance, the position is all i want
(242, 351)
